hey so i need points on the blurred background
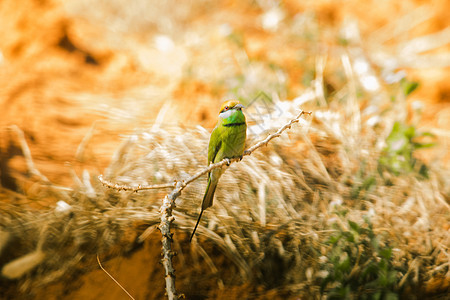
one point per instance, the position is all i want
(82, 80)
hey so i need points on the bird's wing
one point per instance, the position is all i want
(215, 142)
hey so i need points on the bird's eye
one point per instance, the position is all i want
(226, 107)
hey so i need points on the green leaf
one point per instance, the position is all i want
(386, 253)
(423, 171)
(427, 134)
(370, 270)
(410, 132)
(349, 236)
(344, 266)
(368, 182)
(427, 145)
(409, 86)
(354, 226)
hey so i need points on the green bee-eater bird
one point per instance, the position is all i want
(227, 141)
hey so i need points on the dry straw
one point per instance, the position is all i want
(272, 224)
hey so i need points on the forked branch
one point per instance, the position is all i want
(169, 202)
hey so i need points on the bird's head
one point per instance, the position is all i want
(230, 107)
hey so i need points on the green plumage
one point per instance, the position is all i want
(227, 141)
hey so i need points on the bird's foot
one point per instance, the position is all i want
(228, 162)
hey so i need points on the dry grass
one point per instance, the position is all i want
(272, 212)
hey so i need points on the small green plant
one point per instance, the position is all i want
(363, 181)
(397, 156)
(358, 264)
(408, 86)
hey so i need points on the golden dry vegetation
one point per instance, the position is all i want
(131, 90)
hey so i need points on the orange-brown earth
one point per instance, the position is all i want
(67, 69)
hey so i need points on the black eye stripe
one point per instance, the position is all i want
(230, 107)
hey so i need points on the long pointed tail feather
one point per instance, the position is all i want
(209, 193)
(195, 228)
(207, 201)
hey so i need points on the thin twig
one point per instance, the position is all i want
(121, 187)
(110, 276)
(276, 134)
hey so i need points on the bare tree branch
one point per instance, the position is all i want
(167, 219)
(121, 187)
(169, 202)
